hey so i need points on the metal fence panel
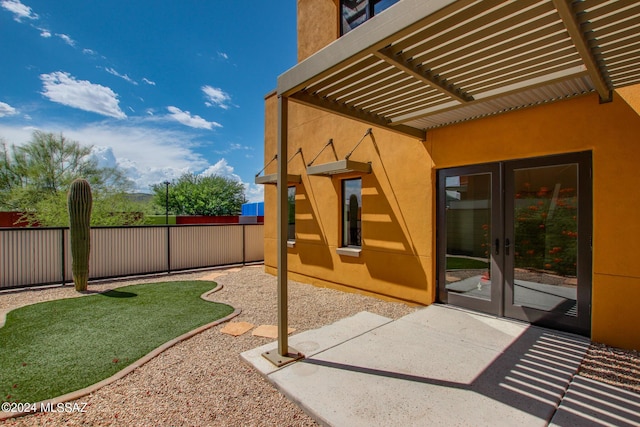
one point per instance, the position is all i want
(30, 257)
(34, 256)
(254, 243)
(202, 246)
(127, 251)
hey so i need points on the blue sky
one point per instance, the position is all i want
(158, 87)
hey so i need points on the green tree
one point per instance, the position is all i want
(201, 195)
(35, 178)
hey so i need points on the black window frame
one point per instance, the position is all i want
(349, 233)
(369, 11)
(291, 217)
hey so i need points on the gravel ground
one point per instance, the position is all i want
(202, 381)
(612, 366)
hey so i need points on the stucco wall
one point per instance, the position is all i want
(398, 219)
(395, 261)
(318, 25)
(611, 131)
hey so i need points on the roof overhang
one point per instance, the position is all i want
(423, 64)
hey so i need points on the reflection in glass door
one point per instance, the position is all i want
(468, 196)
(526, 256)
(545, 238)
(548, 228)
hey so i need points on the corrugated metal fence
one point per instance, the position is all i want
(39, 256)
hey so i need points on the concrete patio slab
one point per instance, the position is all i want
(592, 403)
(312, 342)
(436, 366)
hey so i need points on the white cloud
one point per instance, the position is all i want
(122, 76)
(64, 89)
(221, 168)
(223, 55)
(44, 33)
(104, 156)
(146, 154)
(7, 110)
(253, 192)
(149, 82)
(18, 9)
(16, 135)
(233, 147)
(68, 40)
(216, 97)
(187, 119)
(89, 52)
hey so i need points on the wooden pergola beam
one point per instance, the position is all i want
(355, 114)
(399, 61)
(572, 25)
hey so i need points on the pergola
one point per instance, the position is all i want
(422, 64)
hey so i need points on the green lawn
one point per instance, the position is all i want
(461, 263)
(52, 348)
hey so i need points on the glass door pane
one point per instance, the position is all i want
(468, 216)
(548, 241)
(470, 276)
(545, 238)
(514, 239)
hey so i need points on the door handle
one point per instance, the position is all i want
(497, 246)
(507, 245)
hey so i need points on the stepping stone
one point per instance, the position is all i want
(268, 331)
(213, 276)
(236, 328)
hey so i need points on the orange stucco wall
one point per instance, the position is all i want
(318, 25)
(395, 261)
(398, 219)
(611, 131)
(398, 207)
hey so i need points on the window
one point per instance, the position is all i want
(351, 212)
(355, 12)
(291, 222)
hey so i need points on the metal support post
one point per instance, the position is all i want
(284, 354)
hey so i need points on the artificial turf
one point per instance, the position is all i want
(56, 347)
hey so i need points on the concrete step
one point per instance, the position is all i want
(315, 341)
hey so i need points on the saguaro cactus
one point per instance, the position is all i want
(79, 202)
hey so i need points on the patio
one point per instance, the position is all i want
(445, 366)
(203, 381)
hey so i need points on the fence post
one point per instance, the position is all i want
(64, 264)
(168, 249)
(244, 244)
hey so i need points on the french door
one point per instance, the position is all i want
(514, 239)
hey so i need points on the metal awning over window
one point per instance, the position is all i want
(340, 167)
(423, 64)
(272, 179)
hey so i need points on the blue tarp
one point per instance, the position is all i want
(253, 209)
